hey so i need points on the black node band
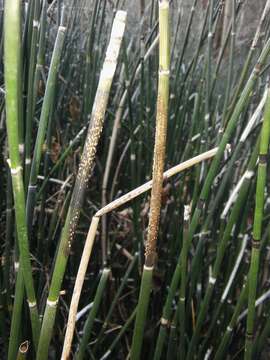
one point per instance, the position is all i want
(262, 159)
(200, 204)
(249, 336)
(255, 243)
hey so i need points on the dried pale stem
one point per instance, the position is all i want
(78, 287)
(92, 233)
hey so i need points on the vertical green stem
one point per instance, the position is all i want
(92, 314)
(16, 317)
(44, 117)
(12, 81)
(158, 166)
(182, 294)
(30, 88)
(257, 229)
(85, 169)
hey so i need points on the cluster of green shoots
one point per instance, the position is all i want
(134, 175)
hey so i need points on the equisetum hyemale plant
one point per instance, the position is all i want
(64, 121)
(158, 165)
(85, 169)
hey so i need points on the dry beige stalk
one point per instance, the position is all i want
(92, 234)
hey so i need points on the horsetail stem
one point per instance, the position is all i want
(158, 165)
(30, 103)
(85, 169)
(198, 287)
(92, 314)
(257, 228)
(12, 43)
(234, 215)
(44, 117)
(23, 350)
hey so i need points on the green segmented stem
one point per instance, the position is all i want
(12, 52)
(91, 317)
(16, 317)
(227, 134)
(168, 309)
(118, 337)
(44, 117)
(182, 292)
(30, 91)
(85, 169)
(257, 228)
(228, 332)
(143, 302)
(158, 166)
(235, 213)
(114, 302)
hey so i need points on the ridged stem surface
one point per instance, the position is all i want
(257, 229)
(158, 166)
(84, 172)
(12, 52)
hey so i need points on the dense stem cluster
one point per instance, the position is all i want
(134, 202)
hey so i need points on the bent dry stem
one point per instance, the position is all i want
(78, 286)
(92, 233)
(155, 202)
(85, 169)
